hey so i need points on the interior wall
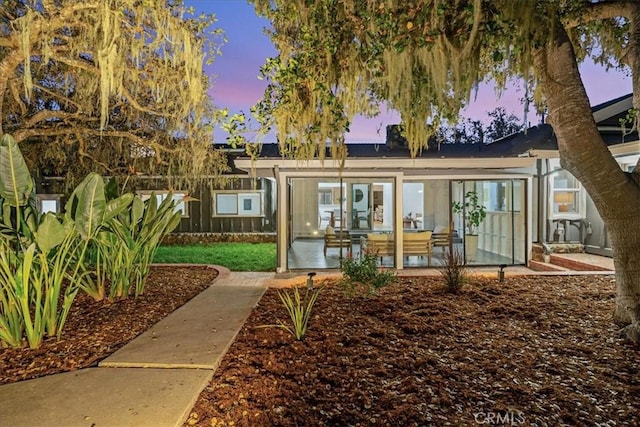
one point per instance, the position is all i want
(413, 199)
(436, 202)
(304, 218)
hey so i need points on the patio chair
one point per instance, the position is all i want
(442, 236)
(380, 244)
(418, 244)
(341, 239)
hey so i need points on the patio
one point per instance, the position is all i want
(307, 254)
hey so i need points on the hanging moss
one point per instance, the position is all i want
(424, 58)
(109, 86)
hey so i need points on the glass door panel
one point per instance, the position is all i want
(361, 209)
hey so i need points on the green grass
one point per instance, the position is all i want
(235, 256)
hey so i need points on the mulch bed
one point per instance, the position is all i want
(94, 330)
(529, 351)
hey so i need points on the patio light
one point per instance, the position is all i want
(310, 280)
(501, 272)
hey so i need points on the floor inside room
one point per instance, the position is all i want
(308, 254)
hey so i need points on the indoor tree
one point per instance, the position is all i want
(338, 58)
(112, 86)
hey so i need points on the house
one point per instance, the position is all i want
(530, 201)
(532, 205)
(564, 217)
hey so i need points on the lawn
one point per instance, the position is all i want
(235, 256)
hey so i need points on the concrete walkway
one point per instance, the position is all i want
(152, 381)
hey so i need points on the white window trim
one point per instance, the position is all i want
(628, 163)
(554, 166)
(240, 195)
(162, 194)
(45, 197)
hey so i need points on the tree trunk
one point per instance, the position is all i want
(586, 156)
(634, 63)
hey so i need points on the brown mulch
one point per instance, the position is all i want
(94, 330)
(529, 351)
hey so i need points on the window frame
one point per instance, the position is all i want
(241, 198)
(577, 190)
(49, 197)
(161, 195)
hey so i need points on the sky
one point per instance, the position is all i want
(235, 83)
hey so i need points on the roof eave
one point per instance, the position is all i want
(391, 163)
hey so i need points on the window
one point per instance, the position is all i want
(177, 197)
(628, 163)
(565, 196)
(238, 204)
(325, 196)
(48, 203)
(493, 195)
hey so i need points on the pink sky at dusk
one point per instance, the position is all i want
(235, 83)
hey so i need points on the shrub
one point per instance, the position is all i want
(454, 271)
(361, 276)
(41, 258)
(128, 243)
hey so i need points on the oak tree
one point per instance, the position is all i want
(112, 86)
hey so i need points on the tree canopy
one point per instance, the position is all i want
(341, 58)
(112, 86)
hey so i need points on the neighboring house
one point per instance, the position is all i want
(530, 200)
(240, 207)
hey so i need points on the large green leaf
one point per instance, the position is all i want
(91, 205)
(137, 210)
(173, 222)
(16, 184)
(50, 233)
(116, 206)
(111, 190)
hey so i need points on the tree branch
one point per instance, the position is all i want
(135, 104)
(13, 87)
(602, 10)
(477, 19)
(24, 134)
(50, 114)
(7, 66)
(58, 96)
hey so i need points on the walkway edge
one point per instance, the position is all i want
(125, 396)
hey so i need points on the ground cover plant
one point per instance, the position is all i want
(96, 329)
(362, 276)
(538, 350)
(299, 305)
(236, 256)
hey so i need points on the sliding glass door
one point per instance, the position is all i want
(500, 237)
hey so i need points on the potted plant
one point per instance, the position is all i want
(474, 213)
(407, 221)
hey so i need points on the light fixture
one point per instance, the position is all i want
(563, 199)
